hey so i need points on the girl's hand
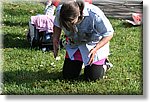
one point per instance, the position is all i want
(92, 55)
(98, 46)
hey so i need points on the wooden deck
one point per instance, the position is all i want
(120, 8)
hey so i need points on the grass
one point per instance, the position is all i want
(27, 71)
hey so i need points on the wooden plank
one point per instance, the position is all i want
(120, 9)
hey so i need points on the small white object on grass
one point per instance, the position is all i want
(58, 58)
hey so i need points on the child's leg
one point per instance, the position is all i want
(71, 68)
(94, 72)
(97, 70)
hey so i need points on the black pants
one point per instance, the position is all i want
(72, 70)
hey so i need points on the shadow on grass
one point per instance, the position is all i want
(13, 23)
(15, 41)
(23, 76)
(128, 25)
(40, 79)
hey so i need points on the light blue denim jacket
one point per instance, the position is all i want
(91, 30)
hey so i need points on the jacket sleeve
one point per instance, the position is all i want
(56, 20)
(102, 24)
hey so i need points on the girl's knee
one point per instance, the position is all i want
(94, 72)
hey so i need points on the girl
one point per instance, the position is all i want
(51, 6)
(88, 32)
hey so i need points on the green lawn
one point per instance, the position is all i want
(27, 71)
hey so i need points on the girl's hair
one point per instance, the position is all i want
(69, 11)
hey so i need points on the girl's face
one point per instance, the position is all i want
(77, 20)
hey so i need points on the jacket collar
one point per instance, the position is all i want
(85, 10)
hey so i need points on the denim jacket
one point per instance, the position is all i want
(91, 30)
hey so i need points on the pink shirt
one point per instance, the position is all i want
(43, 22)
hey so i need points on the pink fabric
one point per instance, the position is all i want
(100, 62)
(89, 1)
(43, 22)
(77, 56)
